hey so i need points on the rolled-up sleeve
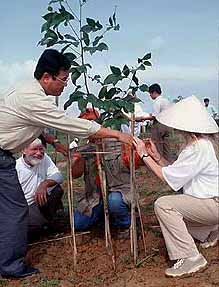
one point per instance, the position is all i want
(52, 170)
(184, 169)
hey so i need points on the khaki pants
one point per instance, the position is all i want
(183, 217)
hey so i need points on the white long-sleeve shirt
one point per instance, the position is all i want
(196, 170)
(27, 110)
(160, 104)
(30, 177)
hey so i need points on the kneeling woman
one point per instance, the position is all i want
(195, 213)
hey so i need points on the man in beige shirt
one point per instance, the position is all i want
(27, 110)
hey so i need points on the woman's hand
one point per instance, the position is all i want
(140, 147)
(152, 150)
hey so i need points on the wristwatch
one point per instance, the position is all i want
(145, 155)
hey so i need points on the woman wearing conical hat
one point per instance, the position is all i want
(195, 212)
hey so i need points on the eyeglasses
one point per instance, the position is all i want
(65, 82)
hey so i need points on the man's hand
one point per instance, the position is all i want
(126, 138)
(41, 194)
(109, 133)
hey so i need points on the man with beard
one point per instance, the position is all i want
(40, 180)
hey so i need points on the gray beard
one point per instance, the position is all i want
(32, 161)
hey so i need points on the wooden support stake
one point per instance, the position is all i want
(70, 203)
(102, 175)
(133, 237)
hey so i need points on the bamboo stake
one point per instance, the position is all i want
(102, 175)
(57, 239)
(70, 203)
(142, 226)
(133, 237)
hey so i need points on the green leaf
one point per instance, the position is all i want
(65, 48)
(110, 21)
(74, 76)
(147, 56)
(92, 50)
(102, 93)
(92, 99)
(126, 70)
(96, 40)
(91, 22)
(73, 63)
(82, 69)
(117, 27)
(139, 60)
(98, 26)
(60, 35)
(88, 65)
(110, 93)
(86, 29)
(74, 97)
(96, 78)
(48, 17)
(141, 67)
(71, 57)
(86, 38)
(143, 88)
(147, 63)
(68, 36)
(45, 27)
(112, 79)
(135, 79)
(82, 104)
(115, 70)
(102, 47)
(50, 9)
(55, 1)
(51, 34)
(114, 18)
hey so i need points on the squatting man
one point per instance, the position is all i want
(40, 180)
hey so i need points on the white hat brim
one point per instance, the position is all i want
(188, 115)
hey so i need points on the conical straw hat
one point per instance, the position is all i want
(188, 115)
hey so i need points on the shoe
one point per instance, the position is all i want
(187, 266)
(211, 241)
(208, 244)
(27, 271)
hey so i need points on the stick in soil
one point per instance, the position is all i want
(70, 203)
(142, 226)
(102, 175)
(133, 237)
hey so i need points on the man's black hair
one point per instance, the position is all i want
(51, 61)
(155, 88)
(206, 99)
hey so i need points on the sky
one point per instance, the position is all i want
(183, 37)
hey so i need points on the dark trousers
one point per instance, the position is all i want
(40, 215)
(13, 218)
(160, 134)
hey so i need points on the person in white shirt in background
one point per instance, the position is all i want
(210, 108)
(195, 213)
(40, 180)
(159, 133)
(140, 117)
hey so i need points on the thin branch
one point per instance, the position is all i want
(82, 50)
(73, 13)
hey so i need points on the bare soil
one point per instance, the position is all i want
(94, 266)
